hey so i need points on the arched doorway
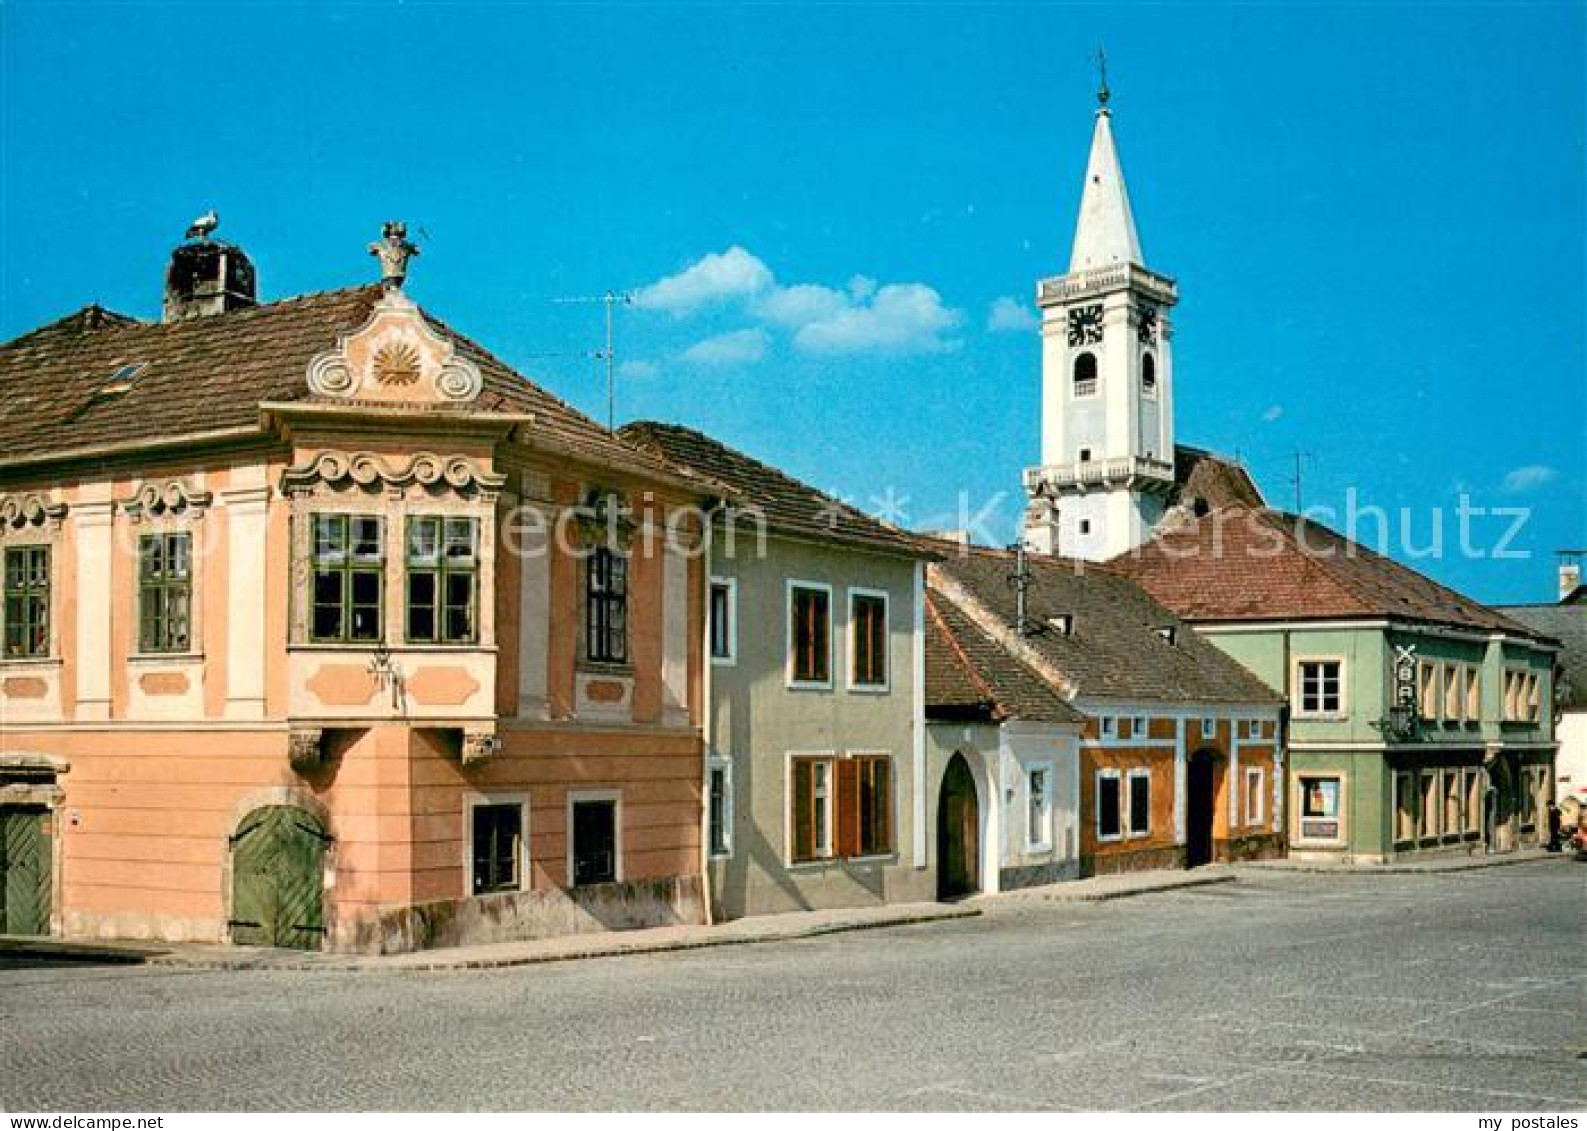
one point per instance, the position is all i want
(1201, 794)
(958, 832)
(277, 878)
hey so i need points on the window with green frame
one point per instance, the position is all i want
(27, 601)
(442, 580)
(165, 592)
(349, 561)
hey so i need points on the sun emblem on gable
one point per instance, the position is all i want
(396, 363)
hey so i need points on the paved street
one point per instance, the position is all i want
(1288, 991)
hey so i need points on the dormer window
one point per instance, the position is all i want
(1086, 375)
(1148, 374)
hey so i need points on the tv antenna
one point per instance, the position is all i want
(611, 300)
(1300, 458)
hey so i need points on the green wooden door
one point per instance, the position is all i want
(24, 872)
(277, 869)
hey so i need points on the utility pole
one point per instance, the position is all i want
(611, 300)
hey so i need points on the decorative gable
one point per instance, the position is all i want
(396, 357)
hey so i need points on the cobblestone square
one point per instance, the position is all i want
(1281, 991)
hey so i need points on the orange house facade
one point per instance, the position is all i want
(324, 628)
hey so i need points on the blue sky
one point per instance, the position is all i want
(1375, 213)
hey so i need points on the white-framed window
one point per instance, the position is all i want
(595, 836)
(1254, 795)
(810, 796)
(1141, 727)
(809, 635)
(719, 805)
(1140, 803)
(1109, 805)
(868, 639)
(1110, 726)
(496, 851)
(1209, 727)
(1038, 807)
(1320, 687)
(724, 620)
(1320, 812)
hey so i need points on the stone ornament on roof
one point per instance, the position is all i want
(395, 358)
(393, 250)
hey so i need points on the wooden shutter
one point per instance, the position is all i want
(881, 774)
(803, 817)
(848, 808)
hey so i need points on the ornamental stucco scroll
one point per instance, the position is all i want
(396, 357)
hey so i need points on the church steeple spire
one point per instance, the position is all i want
(1107, 361)
(1105, 232)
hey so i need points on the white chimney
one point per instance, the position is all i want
(1569, 572)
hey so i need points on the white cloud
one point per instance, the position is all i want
(637, 370)
(898, 318)
(1528, 478)
(799, 305)
(734, 273)
(1010, 315)
(1272, 413)
(860, 317)
(736, 347)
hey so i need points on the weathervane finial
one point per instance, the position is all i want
(1102, 76)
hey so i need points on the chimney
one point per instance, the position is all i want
(1040, 529)
(207, 276)
(1569, 572)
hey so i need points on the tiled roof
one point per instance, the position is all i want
(1206, 481)
(211, 374)
(1244, 564)
(791, 507)
(1566, 624)
(969, 675)
(1115, 649)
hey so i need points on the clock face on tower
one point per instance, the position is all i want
(1085, 325)
(1147, 326)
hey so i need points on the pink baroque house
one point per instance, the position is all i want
(324, 628)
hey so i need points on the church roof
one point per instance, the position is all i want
(1105, 233)
(1205, 481)
(95, 379)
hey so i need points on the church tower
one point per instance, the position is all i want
(1107, 425)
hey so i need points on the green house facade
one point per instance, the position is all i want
(1419, 721)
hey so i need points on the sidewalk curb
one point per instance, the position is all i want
(600, 946)
(1054, 893)
(1432, 869)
